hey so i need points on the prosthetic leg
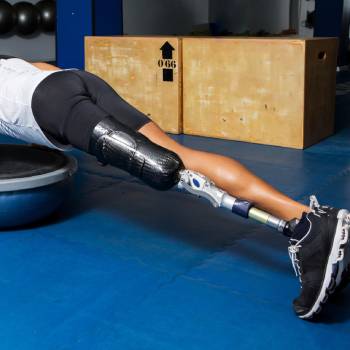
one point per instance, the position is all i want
(318, 261)
(201, 186)
(115, 144)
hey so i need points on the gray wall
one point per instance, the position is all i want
(238, 16)
(163, 17)
(152, 17)
(38, 47)
(167, 17)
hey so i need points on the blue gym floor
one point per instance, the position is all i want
(125, 267)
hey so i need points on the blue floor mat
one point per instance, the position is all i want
(122, 266)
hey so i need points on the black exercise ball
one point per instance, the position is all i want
(47, 9)
(27, 18)
(7, 19)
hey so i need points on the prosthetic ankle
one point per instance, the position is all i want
(114, 143)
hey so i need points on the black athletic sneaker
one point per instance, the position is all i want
(343, 276)
(343, 273)
(316, 250)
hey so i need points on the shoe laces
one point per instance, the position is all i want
(316, 208)
(296, 245)
(314, 204)
(293, 251)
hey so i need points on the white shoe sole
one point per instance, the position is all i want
(334, 264)
(343, 269)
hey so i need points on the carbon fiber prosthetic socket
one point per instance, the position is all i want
(115, 144)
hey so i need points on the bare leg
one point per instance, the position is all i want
(225, 172)
(230, 175)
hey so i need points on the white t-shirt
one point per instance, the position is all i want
(18, 81)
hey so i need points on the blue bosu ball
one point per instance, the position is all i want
(34, 182)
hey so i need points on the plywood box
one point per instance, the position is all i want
(145, 71)
(270, 91)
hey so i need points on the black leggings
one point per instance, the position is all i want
(69, 104)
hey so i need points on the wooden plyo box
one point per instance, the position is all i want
(145, 71)
(269, 91)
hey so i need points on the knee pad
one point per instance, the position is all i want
(114, 143)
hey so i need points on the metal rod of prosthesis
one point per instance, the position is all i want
(267, 219)
(199, 185)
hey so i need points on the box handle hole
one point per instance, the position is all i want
(322, 55)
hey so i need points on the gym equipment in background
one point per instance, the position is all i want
(47, 9)
(34, 181)
(130, 76)
(7, 18)
(25, 18)
(257, 108)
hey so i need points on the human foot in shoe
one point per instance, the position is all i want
(317, 250)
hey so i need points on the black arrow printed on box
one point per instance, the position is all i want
(167, 51)
(167, 54)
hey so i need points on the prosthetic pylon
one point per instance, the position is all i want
(199, 185)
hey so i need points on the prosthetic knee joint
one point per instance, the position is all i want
(114, 143)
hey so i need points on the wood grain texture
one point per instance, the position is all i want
(256, 90)
(130, 66)
(320, 87)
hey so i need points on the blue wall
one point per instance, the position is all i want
(328, 21)
(79, 18)
(332, 19)
(108, 17)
